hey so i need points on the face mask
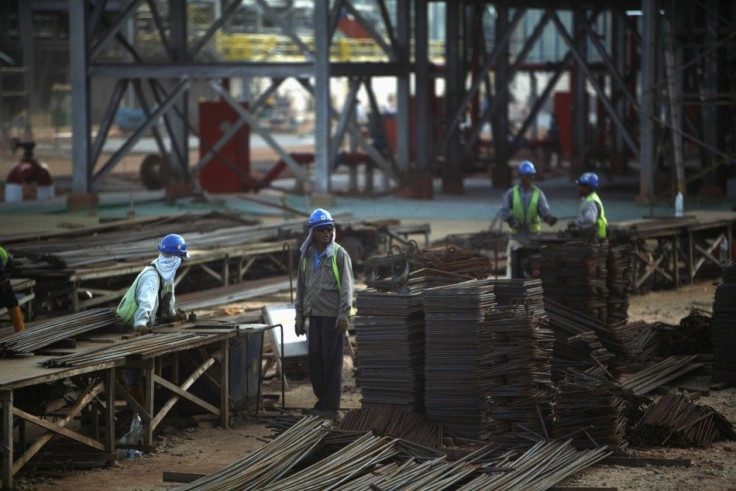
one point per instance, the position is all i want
(167, 266)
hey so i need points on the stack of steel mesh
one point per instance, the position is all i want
(515, 376)
(590, 410)
(723, 325)
(389, 330)
(619, 268)
(526, 293)
(453, 315)
(574, 274)
(454, 260)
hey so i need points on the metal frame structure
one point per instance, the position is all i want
(660, 79)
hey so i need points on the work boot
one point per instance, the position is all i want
(16, 317)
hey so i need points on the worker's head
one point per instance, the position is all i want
(587, 183)
(526, 173)
(173, 245)
(321, 226)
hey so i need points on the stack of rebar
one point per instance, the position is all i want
(590, 411)
(659, 373)
(724, 327)
(389, 330)
(574, 274)
(47, 332)
(453, 316)
(526, 293)
(675, 421)
(453, 260)
(692, 336)
(619, 270)
(515, 376)
(393, 421)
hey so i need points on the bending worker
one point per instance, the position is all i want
(7, 295)
(524, 207)
(150, 296)
(591, 216)
(324, 297)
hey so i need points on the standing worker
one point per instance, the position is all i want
(324, 296)
(150, 296)
(524, 207)
(7, 295)
(591, 217)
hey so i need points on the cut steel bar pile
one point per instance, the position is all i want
(659, 374)
(389, 330)
(691, 337)
(724, 327)
(395, 422)
(454, 260)
(47, 332)
(675, 421)
(141, 345)
(574, 274)
(619, 269)
(526, 293)
(453, 315)
(267, 464)
(591, 403)
(515, 376)
(646, 338)
(541, 467)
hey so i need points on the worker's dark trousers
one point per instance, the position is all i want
(325, 361)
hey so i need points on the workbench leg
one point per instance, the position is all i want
(690, 259)
(676, 260)
(149, 387)
(110, 411)
(7, 450)
(226, 271)
(225, 384)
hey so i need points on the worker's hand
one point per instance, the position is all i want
(571, 224)
(513, 223)
(180, 316)
(299, 326)
(341, 325)
(550, 220)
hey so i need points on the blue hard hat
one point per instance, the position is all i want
(589, 179)
(527, 169)
(173, 244)
(320, 217)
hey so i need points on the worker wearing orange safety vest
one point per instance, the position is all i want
(524, 207)
(7, 295)
(324, 297)
(591, 216)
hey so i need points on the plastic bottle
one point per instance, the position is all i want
(679, 204)
(131, 437)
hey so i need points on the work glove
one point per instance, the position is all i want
(180, 316)
(513, 223)
(341, 326)
(571, 224)
(550, 220)
(299, 326)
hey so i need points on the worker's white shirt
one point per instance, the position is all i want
(587, 215)
(147, 298)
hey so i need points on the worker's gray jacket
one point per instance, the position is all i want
(148, 291)
(317, 292)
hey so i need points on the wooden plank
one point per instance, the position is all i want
(186, 395)
(187, 383)
(73, 435)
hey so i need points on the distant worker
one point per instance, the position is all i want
(591, 216)
(524, 207)
(150, 296)
(7, 295)
(324, 298)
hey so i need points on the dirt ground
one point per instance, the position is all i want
(206, 448)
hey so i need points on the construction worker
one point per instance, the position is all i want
(524, 207)
(150, 296)
(324, 298)
(7, 295)
(591, 217)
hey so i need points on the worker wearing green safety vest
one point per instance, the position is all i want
(524, 207)
(324, 297)
(591, 216)
(7, 295)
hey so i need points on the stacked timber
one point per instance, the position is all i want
(723, 325)
(454, 315)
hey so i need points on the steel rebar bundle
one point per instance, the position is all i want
(675, 421)
(723, 327)
(453, 316)
(272, 461)
(454, 260)
(141, 345)
(47, 332)
(395, 422)
(619, 267)
(658, 374)
(541, 467)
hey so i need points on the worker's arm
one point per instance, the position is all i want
(543, 210)
(587, 216)
(299, 317)
(147, 299)
(506, 208)
(346, 290)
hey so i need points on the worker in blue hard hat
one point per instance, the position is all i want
(524, 208)
(151, 297)
(324, 300)
(7, 295)
(591, 215)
